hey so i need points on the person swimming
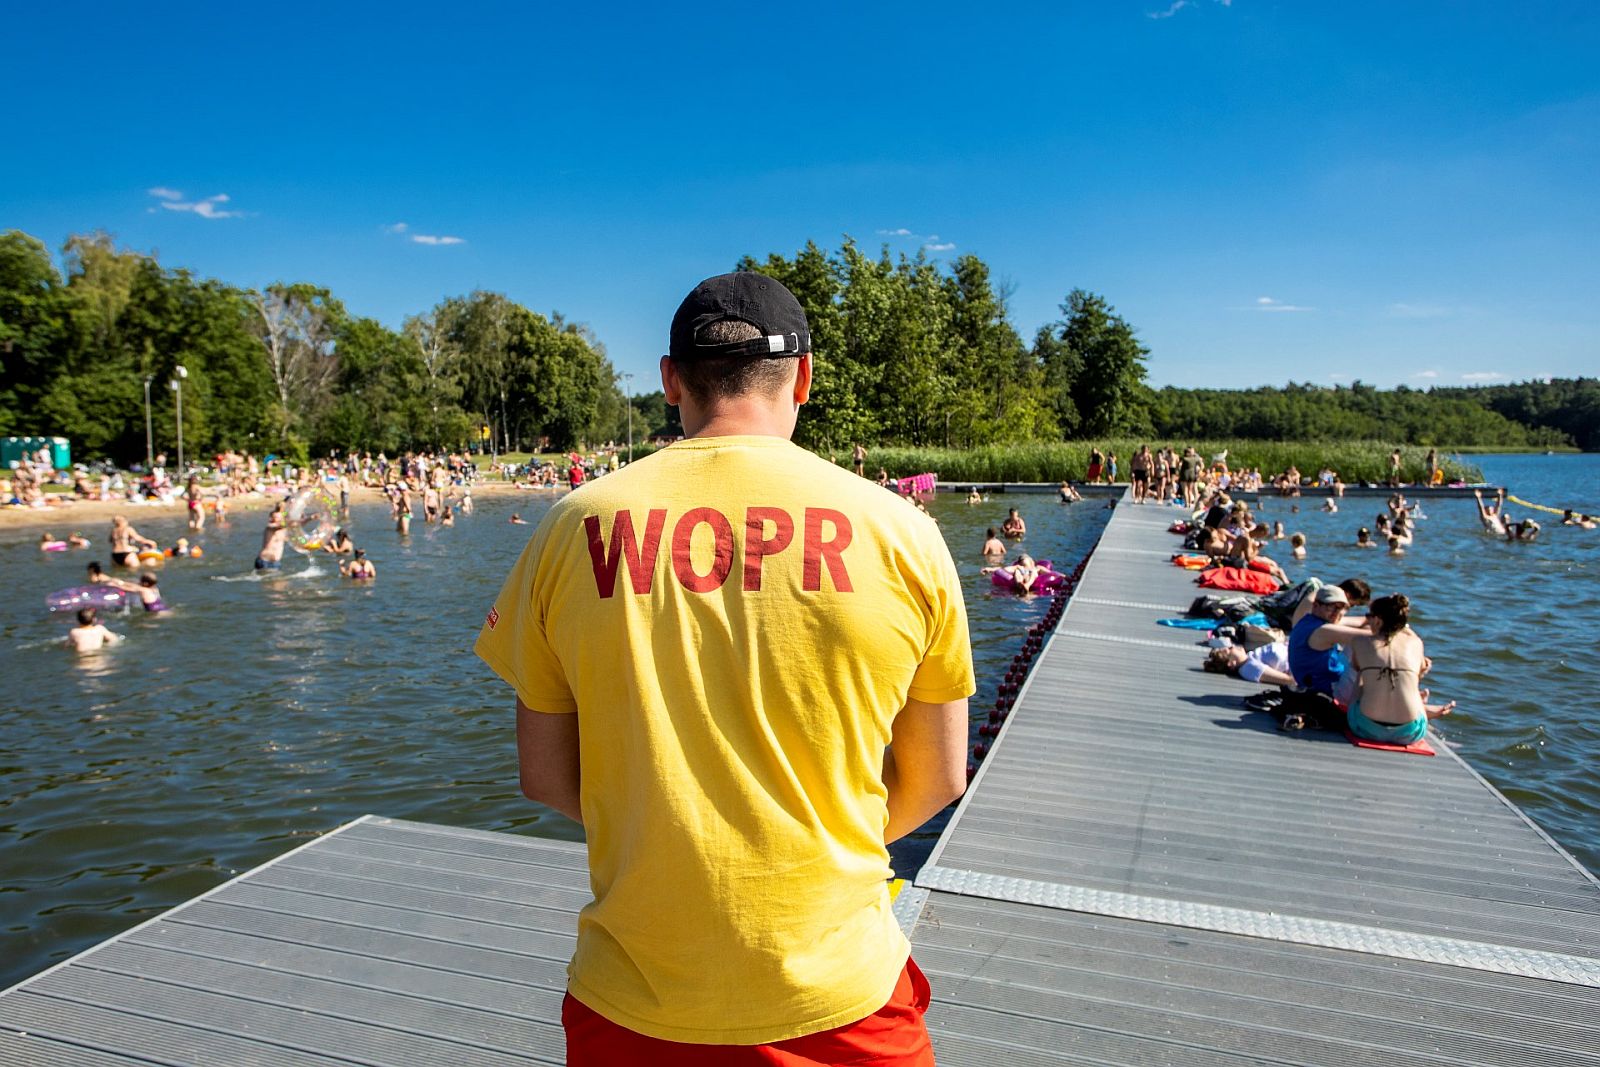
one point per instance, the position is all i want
(1364, 538)
(1297, 546)
(1014, 527)
(518, 520)
(358, 567)
(993, 548)
(150, 593)
(273, 538)
(90, 635)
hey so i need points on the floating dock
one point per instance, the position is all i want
(1141, 873)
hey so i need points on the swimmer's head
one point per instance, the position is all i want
(1392, 612)
(147, 580)
(1298, 540)
(86, 617)
(95, 570)
(991, 533)
(45, 538)
(1363, 535)
(361, 553)
(1025, 560)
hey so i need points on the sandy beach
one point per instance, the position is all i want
(91, 517)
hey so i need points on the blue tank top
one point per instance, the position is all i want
(1311, 668)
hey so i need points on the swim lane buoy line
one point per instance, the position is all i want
(1530, 504)
(86, 596)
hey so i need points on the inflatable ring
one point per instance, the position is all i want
(54, 546)
(86, 596)
(151, 555)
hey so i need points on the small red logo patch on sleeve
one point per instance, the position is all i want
(493, 617)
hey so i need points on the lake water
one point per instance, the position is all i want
(260, 713)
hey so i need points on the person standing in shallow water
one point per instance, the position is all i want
(758, 777)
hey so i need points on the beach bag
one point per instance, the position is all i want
(1233, 608)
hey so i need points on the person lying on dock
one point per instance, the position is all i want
(1390, 705)
(1268, 664)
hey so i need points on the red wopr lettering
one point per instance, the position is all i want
(758, 546)
(722, 559)
(818, 551)
(641, 559)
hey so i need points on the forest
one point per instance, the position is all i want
(910, 352)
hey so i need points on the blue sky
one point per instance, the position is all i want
(1400, 193)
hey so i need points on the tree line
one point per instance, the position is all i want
(284, 369)
(909, 353)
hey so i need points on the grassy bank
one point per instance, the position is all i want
(1356, 461)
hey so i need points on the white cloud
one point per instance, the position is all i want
(900, 232)
(1482, 376)
(398, 227)
(165, 194)
(1418, 311)
(941, 247)
(1267, 303)
(1426, 374)
(1337, 377)
(206, 209)
(430, 239)
(1179, 5)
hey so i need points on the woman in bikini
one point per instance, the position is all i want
(123, 538)
(1391, 705)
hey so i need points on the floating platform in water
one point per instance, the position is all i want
(1141, 873)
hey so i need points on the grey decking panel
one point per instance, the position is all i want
(1125, 767)
(387, 942)
(28, 1050)
(1064, 982)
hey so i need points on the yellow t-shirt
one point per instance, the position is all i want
(737, 623)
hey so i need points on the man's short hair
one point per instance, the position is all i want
(1357, 590)
(714, 378)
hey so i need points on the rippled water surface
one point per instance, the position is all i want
(259, 713)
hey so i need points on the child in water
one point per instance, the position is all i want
(1297, 544)
(89, 635)
(1395, 547)
(1364, 538)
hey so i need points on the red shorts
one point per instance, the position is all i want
(894, 1034)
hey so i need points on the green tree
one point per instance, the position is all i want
(1093, 355)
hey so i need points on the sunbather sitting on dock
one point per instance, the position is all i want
(1390, 705)
(1317, 643)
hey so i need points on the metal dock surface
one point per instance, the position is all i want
(1145, 873)
(1142, 873)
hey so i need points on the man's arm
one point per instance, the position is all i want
(547, 760)
(925, 765)
(1338, 633)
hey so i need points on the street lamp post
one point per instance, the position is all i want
(628, 388)
(149, 436)
(177, 387)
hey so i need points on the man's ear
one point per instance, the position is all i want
(671, 385)
(802, 380)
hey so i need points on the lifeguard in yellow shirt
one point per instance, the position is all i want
(744, 670)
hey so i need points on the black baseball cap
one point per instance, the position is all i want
(744, 296)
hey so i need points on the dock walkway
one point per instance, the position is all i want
(1142, 873)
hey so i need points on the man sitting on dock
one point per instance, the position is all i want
(712, 652)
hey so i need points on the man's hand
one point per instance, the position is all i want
(925, 765)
